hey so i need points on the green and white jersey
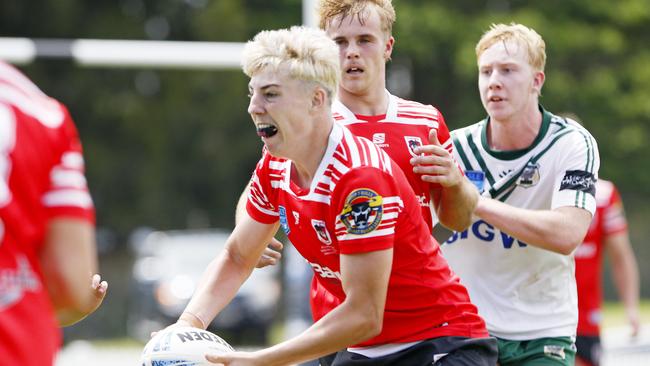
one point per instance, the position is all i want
(521, 291)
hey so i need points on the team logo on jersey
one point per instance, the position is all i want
(379, 138)
(321, 231)
(284, 223)
(579, 180)
(412, 142)
(477, 177)
(362, 211)
(529, 176)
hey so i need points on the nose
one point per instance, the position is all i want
(493, 80)
(352, 51)
(254, 105)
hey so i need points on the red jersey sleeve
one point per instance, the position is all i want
(365, 206)
(67, 193)
(613, 215)
(260, 204)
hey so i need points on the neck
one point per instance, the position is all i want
(309, 156)
(372, 103)
(517, 132)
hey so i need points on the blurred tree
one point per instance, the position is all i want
(172, 148)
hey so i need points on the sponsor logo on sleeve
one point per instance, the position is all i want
(579, 180)
(362, 211)
(284, 223)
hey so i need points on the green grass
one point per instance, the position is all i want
(614, 314)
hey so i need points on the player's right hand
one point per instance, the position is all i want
(271, 255)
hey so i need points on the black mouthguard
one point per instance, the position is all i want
(267, 131)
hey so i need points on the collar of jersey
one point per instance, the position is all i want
(515, 154)
(335, 137)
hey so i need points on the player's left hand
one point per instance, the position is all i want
(234, 359)
(99, 289)
(435, 164)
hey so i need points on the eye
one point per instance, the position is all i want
(270, 94)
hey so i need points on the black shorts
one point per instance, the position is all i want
(589, 349)
(460, 351)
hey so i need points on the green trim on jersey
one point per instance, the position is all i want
(515, 154)
(477, 154)
(458, 147)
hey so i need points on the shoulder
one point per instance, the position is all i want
(410, 108)
(472, 131)
(560, 126)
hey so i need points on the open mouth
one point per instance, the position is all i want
(496, 99)
(265, 130)
(354, 70)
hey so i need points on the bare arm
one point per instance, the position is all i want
(271, 255)
(626, 275)
(69, 262)
(455, 202)
(560, 230)
(227, 272)
(358, 318)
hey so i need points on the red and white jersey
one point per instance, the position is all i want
(405, 125)
(41, 177)
(359, 201)
(609, 219)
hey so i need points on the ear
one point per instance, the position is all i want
(318, 98)
(388, 50)
(538, 81)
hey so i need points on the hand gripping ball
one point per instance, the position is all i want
(182, 346)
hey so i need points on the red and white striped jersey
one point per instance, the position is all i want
(360, 201)
(405, 126)
(41, 177)
(609, 219)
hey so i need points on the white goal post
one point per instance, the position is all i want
(132, 53)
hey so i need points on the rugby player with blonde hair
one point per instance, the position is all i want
(537, 174)
(350, 212)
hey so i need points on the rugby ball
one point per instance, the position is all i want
(182, 346)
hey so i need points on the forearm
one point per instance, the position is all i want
(560, 230)
(456, 205)
(240, 210)
(68, 277)
(624, 271)
(342, 327)
(227, 272)
(218, 286)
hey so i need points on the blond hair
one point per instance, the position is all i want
(330, 9)
(308, 54)
(520, 34)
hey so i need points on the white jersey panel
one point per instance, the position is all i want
(523, 292)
